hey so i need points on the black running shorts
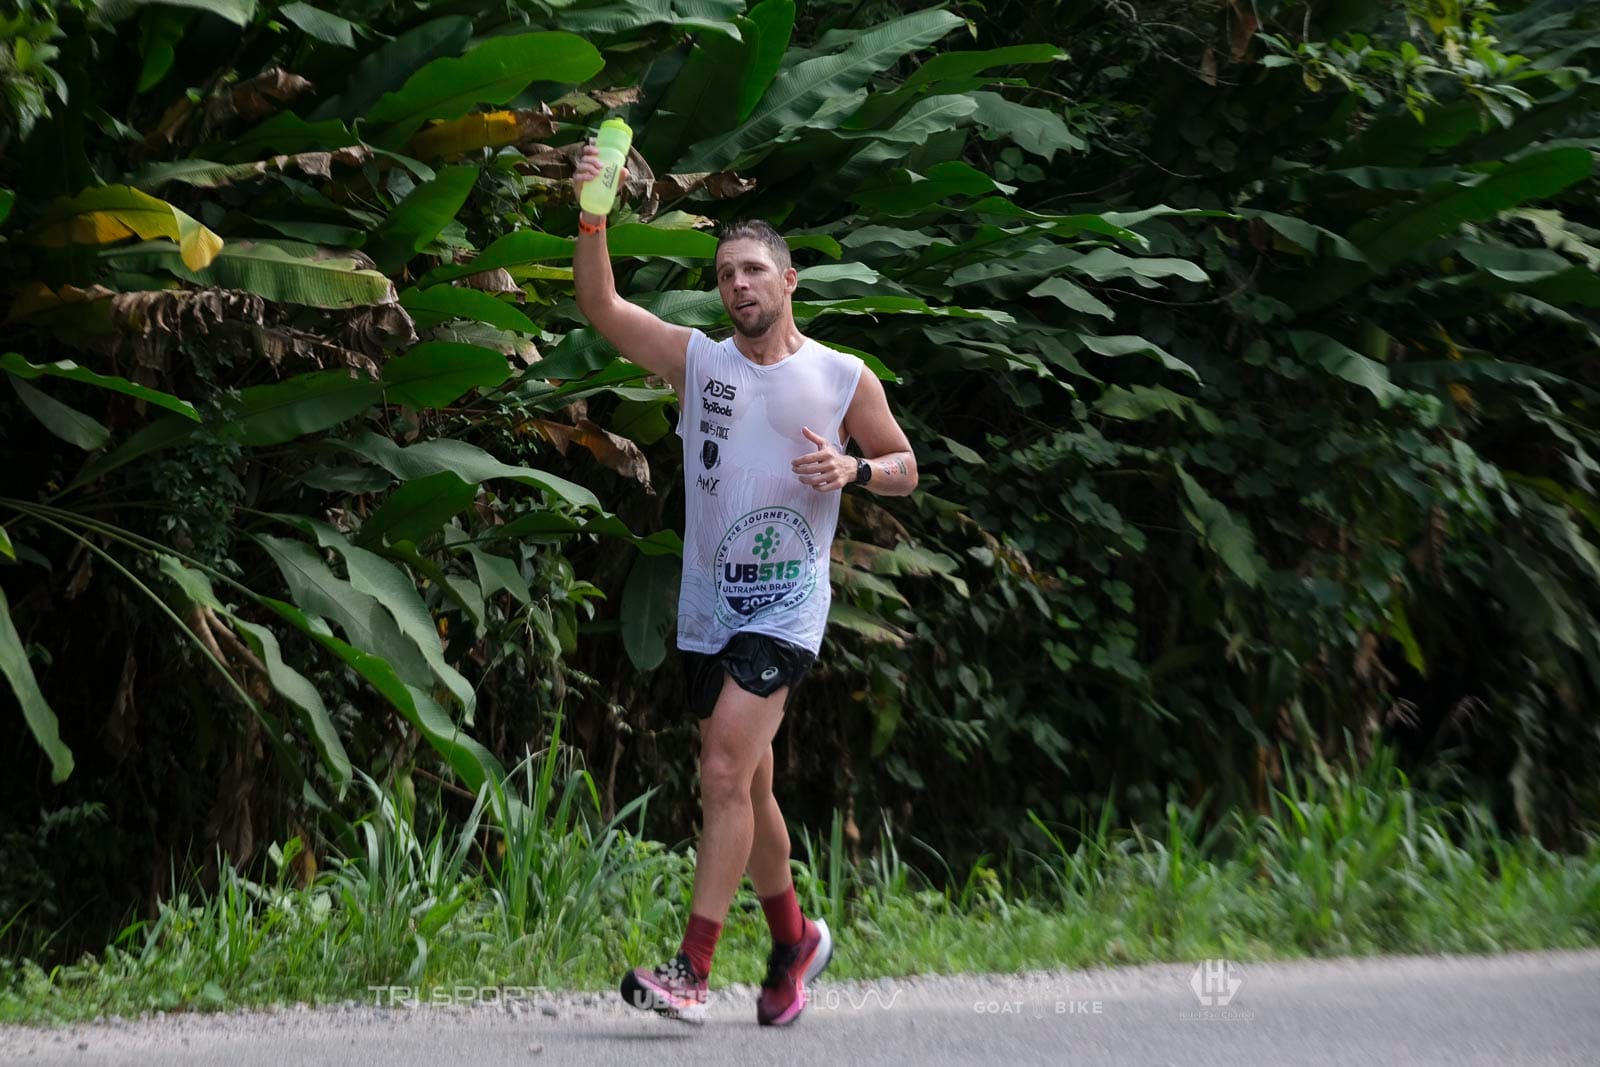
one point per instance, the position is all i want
(757, 663)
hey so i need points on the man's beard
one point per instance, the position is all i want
(763, 323)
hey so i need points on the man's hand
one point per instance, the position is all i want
(826, 469)
(587, 170)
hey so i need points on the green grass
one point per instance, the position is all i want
(1344, 863)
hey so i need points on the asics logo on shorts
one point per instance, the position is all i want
(769, 674)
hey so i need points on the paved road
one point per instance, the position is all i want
(1527, 1008)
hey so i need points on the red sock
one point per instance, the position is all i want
(700, 942)
(783, 916)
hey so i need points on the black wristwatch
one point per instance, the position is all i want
(863, 472)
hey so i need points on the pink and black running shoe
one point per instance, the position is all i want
(672, 990)
(789, 968)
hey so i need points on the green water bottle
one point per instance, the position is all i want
(613, 141)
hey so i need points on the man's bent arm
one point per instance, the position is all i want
(893, 474)
(659, 347)
(883, 443)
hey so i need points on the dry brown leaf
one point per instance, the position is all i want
(378, 330)
(857, 554)
(278, 343)
(618, 453)
(721, 184)
(865, 514)
(256, 97)
(582, 105)
(1245, 25)
(497, 280)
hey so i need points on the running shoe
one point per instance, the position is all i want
(672, 990)
(789, 968)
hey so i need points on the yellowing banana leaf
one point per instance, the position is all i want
(113, 213)
(283, 271)
(490, 129)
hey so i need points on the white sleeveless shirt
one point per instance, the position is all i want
(757, 539)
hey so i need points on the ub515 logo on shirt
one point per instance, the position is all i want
(765, 564)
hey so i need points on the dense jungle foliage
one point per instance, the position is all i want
(1247, 349)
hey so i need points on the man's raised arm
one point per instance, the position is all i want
(659, 347)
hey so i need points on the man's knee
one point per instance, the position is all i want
(724, 776)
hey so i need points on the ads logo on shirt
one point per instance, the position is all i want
(766, 563)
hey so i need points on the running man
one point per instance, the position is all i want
(765, 417)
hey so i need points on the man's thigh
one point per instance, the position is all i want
(742, 725)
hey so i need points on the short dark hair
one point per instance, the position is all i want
(756, 230)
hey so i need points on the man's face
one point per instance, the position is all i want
(753, 289)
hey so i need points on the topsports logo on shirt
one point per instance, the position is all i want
(765, 563)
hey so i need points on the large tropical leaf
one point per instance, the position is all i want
(1033, 129)
(65, 368)
(436, 373)
(273, 414)
(1346, 363)
(772, 22)
(238, 12)
(287, 271)
(320, 24)
(284, 133)
(473, 763)
(36, 711)
(1227, 534)
(905, 193)
(799, 92)
(387, 67)
(113, 213)
(391, 587)
(63, 420)
(417, 509)
(297, 689)
(623, 16)
(521, 247)
(491, 73)
(703, 99)
(438, 303)
(650, 609)
(1400, 233)
(466, 461)
(365, 623)
(419, 218)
